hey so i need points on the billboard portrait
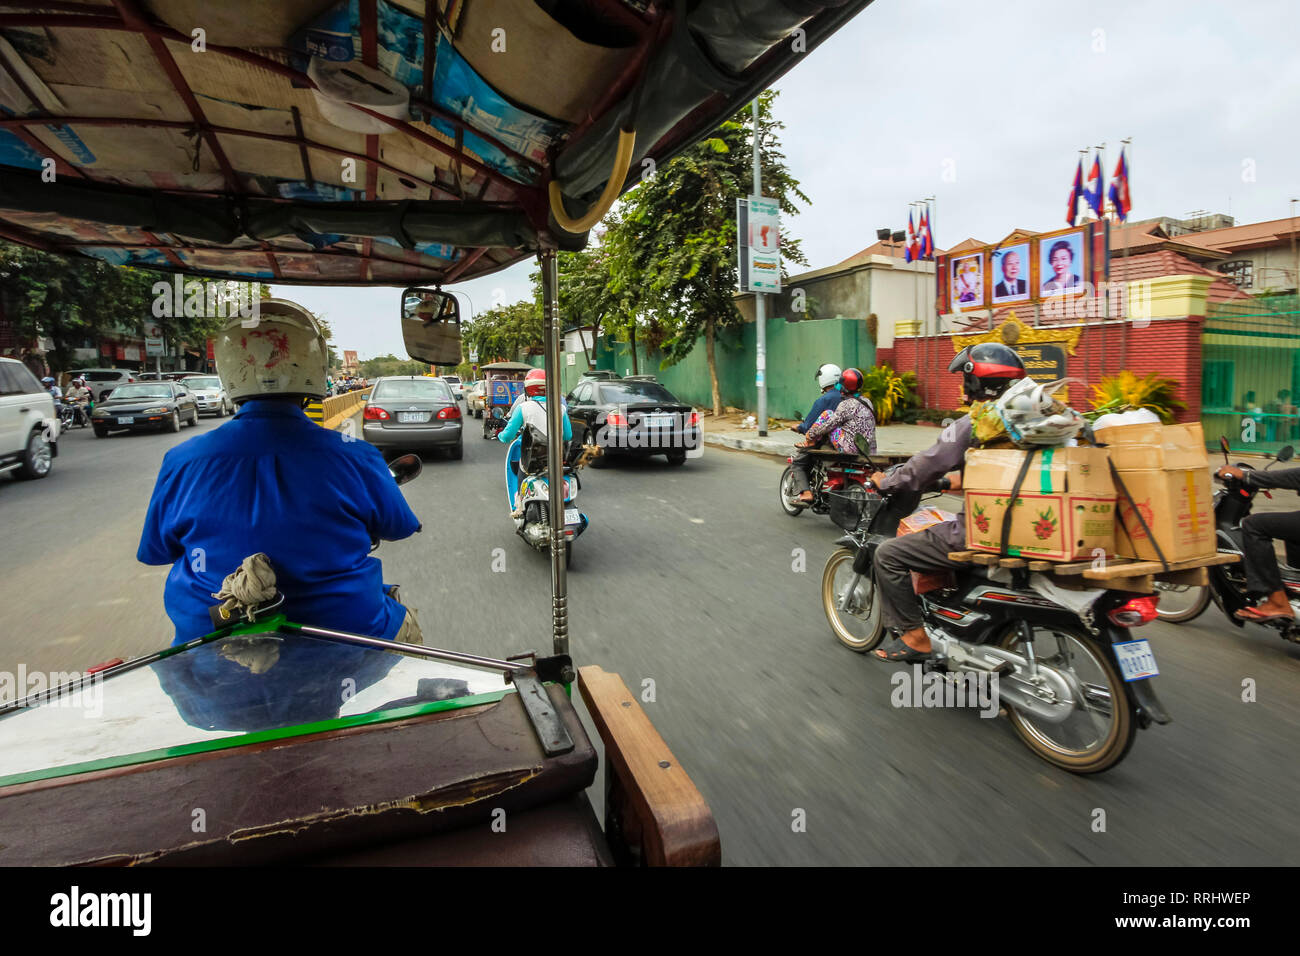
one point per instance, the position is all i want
(1061, 267)
(1009, 266)
(967, 282)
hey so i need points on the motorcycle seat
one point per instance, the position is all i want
(832, 453)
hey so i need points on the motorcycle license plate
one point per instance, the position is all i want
(125, 421)
(412, 417)
(571, 516)
(1136, 661)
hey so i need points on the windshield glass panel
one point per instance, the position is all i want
(231, 686)
(202, 381)
(427, 388)
(623, 393)
(142, 391)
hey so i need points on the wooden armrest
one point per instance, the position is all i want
(653, 812)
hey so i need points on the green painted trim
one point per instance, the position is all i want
(261, 736)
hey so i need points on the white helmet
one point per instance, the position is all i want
(828, 375)
(280, 351)
(1033, 417)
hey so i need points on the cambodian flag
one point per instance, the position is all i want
(1093, 193)
(1076, 191)
(1119, 197)
(927, 240)
(909, 251)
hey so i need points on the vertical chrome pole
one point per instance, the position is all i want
(554, 447)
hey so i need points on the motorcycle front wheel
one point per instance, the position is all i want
(854, 617)
(1100, 731)
(1180, 603)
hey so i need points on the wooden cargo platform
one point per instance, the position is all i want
(1122, 574)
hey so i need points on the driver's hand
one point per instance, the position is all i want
(877, 478)
(1230, 471)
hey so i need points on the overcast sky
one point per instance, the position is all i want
(984, 104)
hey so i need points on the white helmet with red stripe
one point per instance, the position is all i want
(280, 351)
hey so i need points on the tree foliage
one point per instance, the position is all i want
(500, 334)
(70, 299)
(390, 364)
(672, 249)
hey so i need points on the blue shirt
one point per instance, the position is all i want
(830, 399)
(517, 420)
(271, 480)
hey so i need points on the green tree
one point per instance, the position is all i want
(589, 294)
(673, 248)
(499, 335)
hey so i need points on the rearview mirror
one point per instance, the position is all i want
(405, 468)
(1286, 453)
(1223, 443)
(431, 326)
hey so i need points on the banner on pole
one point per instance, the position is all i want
(758, 229)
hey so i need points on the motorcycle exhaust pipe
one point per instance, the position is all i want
(1005, 666)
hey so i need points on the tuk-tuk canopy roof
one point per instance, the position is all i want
(359, 142)
(507, 367)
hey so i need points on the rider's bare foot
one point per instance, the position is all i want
(1274, 606)
(805, 498)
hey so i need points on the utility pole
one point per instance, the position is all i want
(760, 303)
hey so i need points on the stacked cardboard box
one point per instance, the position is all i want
(1166, 472)
(1065, 509)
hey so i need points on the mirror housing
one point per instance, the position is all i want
(431, 326)
(1285, 453)
(1223, 443)
(405, 468)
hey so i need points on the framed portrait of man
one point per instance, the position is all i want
(1062, 267)
(966, 287)
(1010, 273)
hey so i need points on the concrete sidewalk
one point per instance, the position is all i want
(890, 440)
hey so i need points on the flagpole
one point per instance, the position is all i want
(932, 313)
(1126, 152)
(1101, 201)
(923, 352)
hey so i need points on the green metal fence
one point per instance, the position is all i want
(1250, 385)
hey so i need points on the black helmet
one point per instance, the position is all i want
(987, 369)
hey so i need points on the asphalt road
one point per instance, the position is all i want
(693, 578)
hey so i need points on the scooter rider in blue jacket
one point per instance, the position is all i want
(828, 377)
(531, 411)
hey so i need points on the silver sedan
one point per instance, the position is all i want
(412, 413)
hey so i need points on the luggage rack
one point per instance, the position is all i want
(1123, 574)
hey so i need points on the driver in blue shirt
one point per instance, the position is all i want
(270, 480)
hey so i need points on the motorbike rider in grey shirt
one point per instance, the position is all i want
(988, 369)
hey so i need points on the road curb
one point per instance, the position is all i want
(759, 446)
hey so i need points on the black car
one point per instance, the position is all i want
(633, 418)
(145, 405)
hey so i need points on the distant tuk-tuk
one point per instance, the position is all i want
(504, 383)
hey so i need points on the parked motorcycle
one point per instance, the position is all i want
(829, 472)
(1227, 587)
(1075, 685)
(528, 493)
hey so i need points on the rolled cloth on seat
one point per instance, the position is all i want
(251, 584)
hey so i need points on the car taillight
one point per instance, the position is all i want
(130, 379)
(617, 420)
(374, 413)
(695, 418)
(451, 411)
(1136, 612)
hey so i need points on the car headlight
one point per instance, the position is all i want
(156, 410)
(99, 413)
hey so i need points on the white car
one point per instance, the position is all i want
(457, 388)
(29, 424)
(209, 394)
(101, 381)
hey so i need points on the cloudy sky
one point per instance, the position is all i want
(984, 104)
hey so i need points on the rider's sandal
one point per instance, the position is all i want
(1254, 614)
(900, 652)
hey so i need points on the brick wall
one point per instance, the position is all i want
(1171, 348)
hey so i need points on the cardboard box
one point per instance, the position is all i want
(1065, 510)
(1166, 471)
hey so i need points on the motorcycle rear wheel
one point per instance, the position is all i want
(787, 492)
(859, 631)
(1106, 704)
(1181, 603)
